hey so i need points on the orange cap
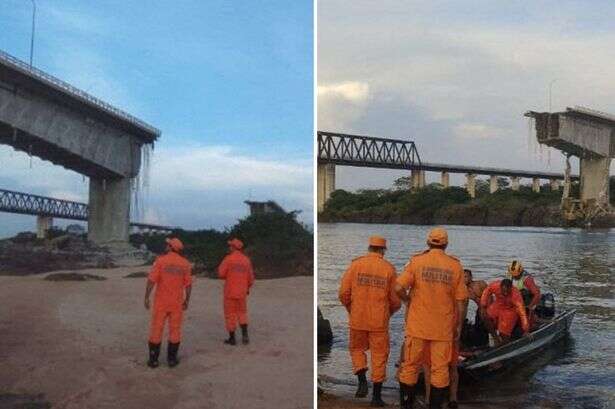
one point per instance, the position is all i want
(378, 241)
(437, 237)
(236, 244)
(175, 244)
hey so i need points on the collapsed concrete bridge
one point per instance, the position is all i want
(48, 118)
(590, 136)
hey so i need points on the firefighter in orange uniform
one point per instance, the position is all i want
(171, 274)
(436, 288)
(503, 312)
(238, 275)
(367, 292)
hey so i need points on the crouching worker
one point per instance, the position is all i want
(171, 274)
(501, 315)
(526, 285)
(367, 291)
(238, 275)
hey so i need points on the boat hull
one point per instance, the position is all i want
(505, 356)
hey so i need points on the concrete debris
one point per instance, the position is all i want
(25, 254)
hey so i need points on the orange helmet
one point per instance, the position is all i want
(175, 244)
(437, 237)
(377, 241)
(515, 269)
(235, 244)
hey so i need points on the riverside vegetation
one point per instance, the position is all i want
(435, 204)
(277, 243)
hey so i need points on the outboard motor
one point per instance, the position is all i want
(546, 307)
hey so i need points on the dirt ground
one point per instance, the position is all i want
(331, 400)
(84, 345)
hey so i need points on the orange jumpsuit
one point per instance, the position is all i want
(367, 291)
(236, 270)
(454, 352)
(436, 282)
(171, 273)
(504, 310)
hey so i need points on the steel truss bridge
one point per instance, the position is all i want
(373, 152)
(356, 150)
(35, 205)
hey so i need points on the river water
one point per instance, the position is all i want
(577, 266)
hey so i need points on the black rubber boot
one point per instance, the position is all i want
(438, 395)
(244, 334)
(362, 389)
(376, 398)
(154, 353)
(172, 354)
(406, 396)
(231, 339)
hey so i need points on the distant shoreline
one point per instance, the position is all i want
(471, 215)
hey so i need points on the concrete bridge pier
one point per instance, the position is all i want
(493, 184)
(43, 224)
(536, 185)
(109, 210)
(515, 183)
(595, 180)
(471, 184)
(445, 179)
(422, 183)
(417, 179)
(325, 174)
(554, 184)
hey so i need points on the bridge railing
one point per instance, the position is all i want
(360, 150)
(48, 79)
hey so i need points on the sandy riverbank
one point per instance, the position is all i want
(84, 345)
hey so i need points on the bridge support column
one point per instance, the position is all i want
(445, 179)
(471, 184)
(325, 183)
(493, 184)
(43, 224)
(554, 184)
(422, 179)
(594, 178)
(415, 179)
(515, 183)
(536, 185)
(109, 211)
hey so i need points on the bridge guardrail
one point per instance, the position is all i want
(74, 91)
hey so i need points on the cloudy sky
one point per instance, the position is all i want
(229, 84)
(456, 77)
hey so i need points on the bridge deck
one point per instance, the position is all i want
(365, 151)
(33, 77)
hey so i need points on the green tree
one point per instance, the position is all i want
(402, 183)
